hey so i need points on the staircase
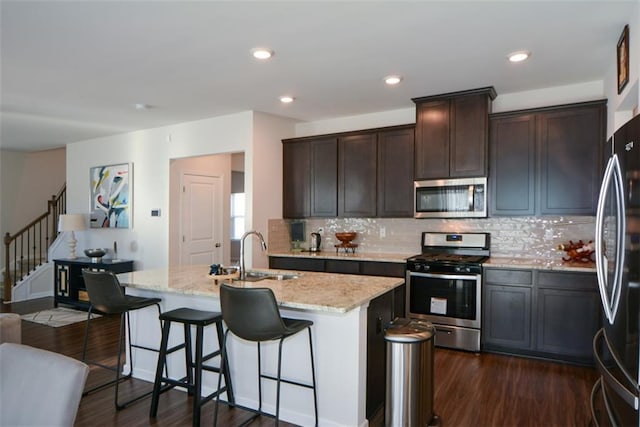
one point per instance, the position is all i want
(28, 249)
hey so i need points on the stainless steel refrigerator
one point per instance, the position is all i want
(616, 395)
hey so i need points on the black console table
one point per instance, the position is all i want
(69, 283)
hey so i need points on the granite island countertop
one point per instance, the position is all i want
(326, 292)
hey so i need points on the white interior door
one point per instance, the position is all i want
(201, 220)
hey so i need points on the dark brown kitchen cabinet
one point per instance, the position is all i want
(570, 159)
(296, 190)
(379, 314)
(547, 161)
(568, 307)
(357, 189)
(540, 313)
(512, 164)
(395, 173)
(451, 137)
(507, 307)
(353, 174)
(310, 178)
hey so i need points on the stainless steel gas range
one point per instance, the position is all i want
(444, 286)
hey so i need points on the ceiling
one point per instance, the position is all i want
(73, 70)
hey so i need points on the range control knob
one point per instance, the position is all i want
(463, 270)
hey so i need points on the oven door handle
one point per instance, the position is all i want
(445, 276)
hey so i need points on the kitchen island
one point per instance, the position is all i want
(336, 303)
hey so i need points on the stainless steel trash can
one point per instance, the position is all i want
(409, 394)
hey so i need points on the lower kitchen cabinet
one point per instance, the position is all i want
(540, 313)
(69, 283)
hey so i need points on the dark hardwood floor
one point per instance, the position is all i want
(470, 390)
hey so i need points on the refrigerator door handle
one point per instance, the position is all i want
(612, 175)
(606, 375)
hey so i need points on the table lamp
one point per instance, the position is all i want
(72, 223)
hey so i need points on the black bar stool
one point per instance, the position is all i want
(252, 314)
(193, 379)
(106, 296)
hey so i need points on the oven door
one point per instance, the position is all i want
(447, 299)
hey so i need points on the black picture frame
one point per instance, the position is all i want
(623, 59)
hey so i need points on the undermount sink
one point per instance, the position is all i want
(255, 276)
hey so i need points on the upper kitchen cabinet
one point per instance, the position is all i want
(547, 161)
(357, 162)
(310, 177)
(395, 172)
(451, 136)
(365, 173)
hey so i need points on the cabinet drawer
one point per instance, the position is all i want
(508, 277)
(290, 263)
(346, 267)
(388, 269)
(567, 280)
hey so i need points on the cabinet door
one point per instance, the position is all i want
(468, 136)
(324, 177)
(296, 176)
(507, 316)
(512, 147)
(567, 321)
(378, 315)
(570, 143)
(432, 140)
(357, 189)
(395, 173)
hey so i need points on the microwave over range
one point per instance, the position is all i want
(451, 198)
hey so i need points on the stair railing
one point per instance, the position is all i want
(29, 247)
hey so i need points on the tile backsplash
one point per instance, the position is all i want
(518, 237)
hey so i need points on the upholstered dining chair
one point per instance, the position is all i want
(39, 387)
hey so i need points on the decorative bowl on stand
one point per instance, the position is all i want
(345, 241)
(95, 254)
(346, 237)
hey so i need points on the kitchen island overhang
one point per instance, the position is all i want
(336, 303)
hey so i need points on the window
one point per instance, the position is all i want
(237, 215)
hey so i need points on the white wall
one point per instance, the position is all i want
(625, 105)
(558, 95)
(149, 151)
(263, 176)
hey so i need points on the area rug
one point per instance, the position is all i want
(57, 317)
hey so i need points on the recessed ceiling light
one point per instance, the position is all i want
(519, 56)
(141, 106)
(392, 80)
(262, 53)
(286, 99)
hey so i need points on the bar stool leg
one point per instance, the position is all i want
(259, 380)
(278, 387)
(225, 366)
(197, 381)
(313, 378)
(231, 400)
(162, 360)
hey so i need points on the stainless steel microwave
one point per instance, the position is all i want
(451, 198)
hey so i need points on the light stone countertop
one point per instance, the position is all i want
(358, 256)
(539, 264)
(325, 292)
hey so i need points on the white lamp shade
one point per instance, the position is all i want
(72, 222)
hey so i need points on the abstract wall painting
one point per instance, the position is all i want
(110, 196)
